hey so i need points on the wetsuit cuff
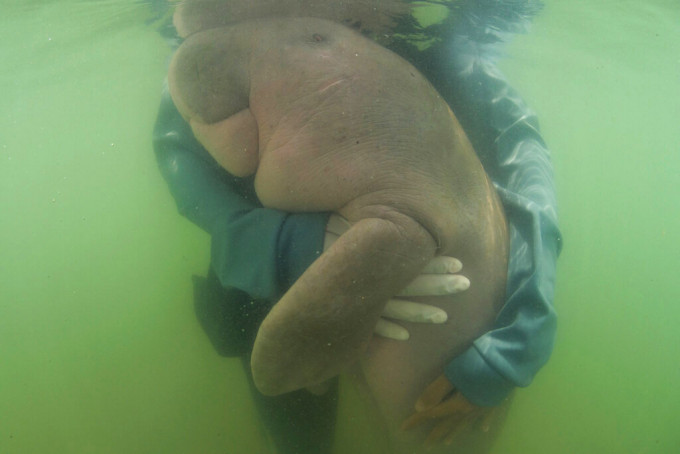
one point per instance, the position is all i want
(477, 380)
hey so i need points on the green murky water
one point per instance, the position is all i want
(100, 350)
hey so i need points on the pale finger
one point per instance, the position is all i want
(390, 330)
(443, 265)
(436, 285)
(408, 311)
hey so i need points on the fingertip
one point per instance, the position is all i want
(396, 335)
(438, 317)
(402, 336)
(443, 265)
(454, 265)
(459, 284)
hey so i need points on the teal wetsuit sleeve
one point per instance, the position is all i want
(257, 250)
(505, 133)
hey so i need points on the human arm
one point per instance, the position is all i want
(504, 132)
(257, 250)
(518, 162)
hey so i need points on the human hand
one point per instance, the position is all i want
(451, 412)
(438, 278)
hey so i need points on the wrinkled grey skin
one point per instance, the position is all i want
(327, 120)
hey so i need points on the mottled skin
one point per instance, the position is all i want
(327, 120)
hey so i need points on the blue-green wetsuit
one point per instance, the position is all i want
(257, 253)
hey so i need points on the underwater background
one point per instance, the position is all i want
(100, 351)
